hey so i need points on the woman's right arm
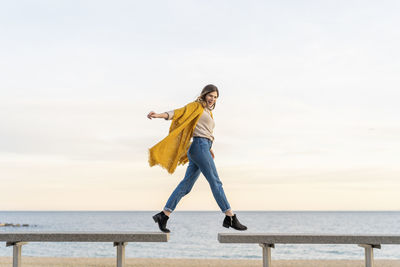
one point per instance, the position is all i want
(164, 115)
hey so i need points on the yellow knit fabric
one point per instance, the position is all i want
(172, 150)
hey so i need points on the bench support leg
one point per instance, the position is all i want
(17, 247)
(120, 253)
(369, 254)
(266, 248)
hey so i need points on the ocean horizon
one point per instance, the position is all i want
(194, 233)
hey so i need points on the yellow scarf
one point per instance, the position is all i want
(172, 150)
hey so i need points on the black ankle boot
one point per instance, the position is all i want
(161, 219)
(233, 222)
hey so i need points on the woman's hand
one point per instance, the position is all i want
(152, 114)
(212, 153)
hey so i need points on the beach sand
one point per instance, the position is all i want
(146, 262)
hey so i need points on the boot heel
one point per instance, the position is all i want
(225, 225)
(154, 218)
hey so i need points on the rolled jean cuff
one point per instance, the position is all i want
(168, 209)
(226, 210)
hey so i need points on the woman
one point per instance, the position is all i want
(194, 120)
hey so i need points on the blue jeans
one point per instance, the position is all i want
(200, 160)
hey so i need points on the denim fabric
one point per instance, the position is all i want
(200, 160)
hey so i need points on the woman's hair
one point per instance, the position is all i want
(207, 89)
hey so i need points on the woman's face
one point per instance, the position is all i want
(211, 98)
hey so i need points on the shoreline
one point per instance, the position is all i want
(28, 261)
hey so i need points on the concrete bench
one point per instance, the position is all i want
(268, 241)
(120, 240)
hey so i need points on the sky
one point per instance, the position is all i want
(307, 118)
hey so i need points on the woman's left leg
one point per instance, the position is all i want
(205, 162)
(203, 159)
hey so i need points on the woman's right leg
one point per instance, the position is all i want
(184, 187)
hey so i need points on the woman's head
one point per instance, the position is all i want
(208, 96)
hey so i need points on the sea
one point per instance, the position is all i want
(194, 233)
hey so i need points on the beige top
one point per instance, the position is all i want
(204, 127)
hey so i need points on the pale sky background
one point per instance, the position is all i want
(308, 116)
